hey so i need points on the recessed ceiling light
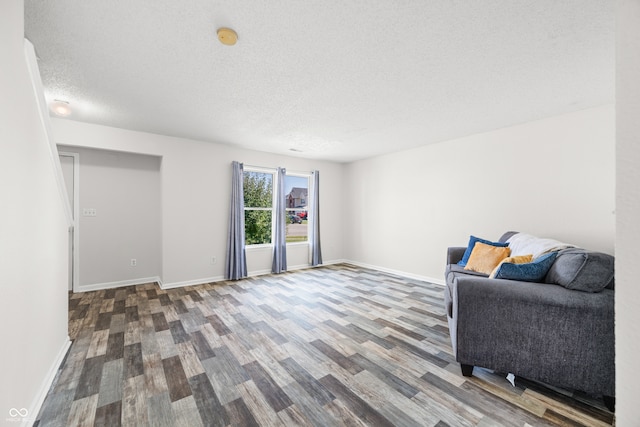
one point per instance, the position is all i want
(60, 108)
(227, 36)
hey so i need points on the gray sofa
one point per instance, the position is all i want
(546, 332)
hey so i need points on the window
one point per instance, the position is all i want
(296, 189)
(258, 207)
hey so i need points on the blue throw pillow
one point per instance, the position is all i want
(534, 271)
(472, 243)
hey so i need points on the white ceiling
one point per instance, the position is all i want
(338, 80)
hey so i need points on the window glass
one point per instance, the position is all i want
(257, 227)
(296, 189)
(258, 207)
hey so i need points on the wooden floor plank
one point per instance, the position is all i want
(176, 378)
(153, 373)
(239, 414)
(159, 410)
(111, 382)
(109, 415)
(89, 382)
(307, 382)
(211, 410)
(134, 402)
(83, 411)
(359, 407)
(272, 392)
(98, 344)
(185, 413)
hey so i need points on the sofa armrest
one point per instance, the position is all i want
(455, 253)
(535, 330)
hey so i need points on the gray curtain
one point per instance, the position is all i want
(314, 219)
(280, 239)
(236, 267)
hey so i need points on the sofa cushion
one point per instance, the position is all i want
(582, 270)
(534, 271)
(520, 259)
(484, 258)
(472, 243)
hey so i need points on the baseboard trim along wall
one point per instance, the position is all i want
(440, 282)
(256, 273)
(400, 273)
(118, 284)
(193, 282)
(36, 405)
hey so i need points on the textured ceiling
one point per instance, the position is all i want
(334, 79)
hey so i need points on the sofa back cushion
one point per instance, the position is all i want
(582, 270)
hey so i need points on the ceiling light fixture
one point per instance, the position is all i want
(60, 108)
(227, 36)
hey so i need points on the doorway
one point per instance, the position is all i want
(69, 163)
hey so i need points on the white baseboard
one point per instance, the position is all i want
(255, 273)
(192, 282)
(333, 262)
(298, 267)
(295, 267)
(400, 273)
(118, 284)
(36, 405)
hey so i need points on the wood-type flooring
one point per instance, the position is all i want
(330, 346)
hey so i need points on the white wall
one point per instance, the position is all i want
(195, 193)
(124, 188)
(552, 178)
(33, 235)
(628, 213)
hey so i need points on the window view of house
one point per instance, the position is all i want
(296, 198)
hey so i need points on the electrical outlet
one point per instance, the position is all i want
(213, 260)
(89, 212)
(134, 262)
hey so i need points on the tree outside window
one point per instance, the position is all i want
(258, 207)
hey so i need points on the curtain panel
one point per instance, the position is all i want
(236, 267)
(279, 264)
(314, 216)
